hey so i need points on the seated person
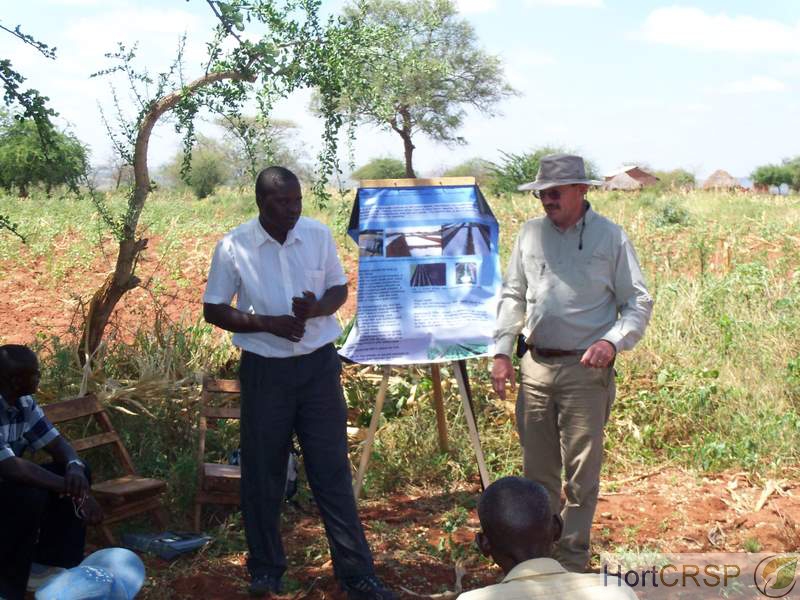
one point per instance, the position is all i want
(518, 530)
(45, 508)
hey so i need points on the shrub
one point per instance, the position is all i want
(380, 168)
(474, 167)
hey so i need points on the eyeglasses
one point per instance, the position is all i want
(552, 194)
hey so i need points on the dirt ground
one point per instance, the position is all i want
(669, 510)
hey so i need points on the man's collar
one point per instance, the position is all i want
(22, 402)
(260, 235)
(534, 567)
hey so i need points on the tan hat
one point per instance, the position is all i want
(559, 169)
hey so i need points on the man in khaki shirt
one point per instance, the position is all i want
(518, 529)
(574, 284)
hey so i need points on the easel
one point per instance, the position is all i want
(460, 371)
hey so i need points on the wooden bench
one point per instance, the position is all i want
(216, 483)
(121, 497)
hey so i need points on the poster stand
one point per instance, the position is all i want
(399, 247)
(460, 372)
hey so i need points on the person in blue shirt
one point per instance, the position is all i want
(46, 507)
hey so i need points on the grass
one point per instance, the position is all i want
(714, 385)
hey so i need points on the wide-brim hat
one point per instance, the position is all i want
(559, 169)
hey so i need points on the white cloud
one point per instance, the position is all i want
(472, 7)
(755, 85)
(692, 28)
(579, 3)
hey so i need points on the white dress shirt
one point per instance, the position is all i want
(571, 288)
(265, 275)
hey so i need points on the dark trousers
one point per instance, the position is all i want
(300, 394)
(37, 526)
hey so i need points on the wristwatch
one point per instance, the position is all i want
(77, 461)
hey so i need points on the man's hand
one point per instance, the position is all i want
(92, 512)
(286, 326)
(502, 371)
(305, 307)
(599, 355)
(75, 483)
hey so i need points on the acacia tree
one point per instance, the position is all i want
(427, 75)
(296, 48)
(25, 161)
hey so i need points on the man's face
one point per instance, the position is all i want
(563, 204)
(281, 208)
(26, 381)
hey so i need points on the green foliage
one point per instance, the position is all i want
(431, 69)
(515, 169)
(671, 214)
(208, 169)
(676, 179)
(788, 172)
(25, 162)
(380, 168)
(252, 143)
(474, 167)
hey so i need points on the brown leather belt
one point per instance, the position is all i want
(554, 352)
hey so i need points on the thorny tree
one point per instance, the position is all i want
(428, 75)
(297, 48)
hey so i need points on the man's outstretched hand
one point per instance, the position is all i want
(305, 306)
(502, 371)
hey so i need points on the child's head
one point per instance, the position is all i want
(19, 370)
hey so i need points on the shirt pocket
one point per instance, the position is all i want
(536, 273)
(315, 282)
(596, 270)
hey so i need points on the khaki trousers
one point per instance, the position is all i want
(562, 408)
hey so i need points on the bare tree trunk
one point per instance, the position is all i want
(408, 151)
(408, 146)
(123, 278)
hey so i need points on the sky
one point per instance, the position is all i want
(698, 85)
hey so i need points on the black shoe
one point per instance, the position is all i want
(265, 584)
(368, 587)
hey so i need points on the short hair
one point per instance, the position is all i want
(15, 358)
(273, 179)
(512, 506)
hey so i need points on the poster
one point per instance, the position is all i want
(428, 275)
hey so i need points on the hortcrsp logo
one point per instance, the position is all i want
(774, 576)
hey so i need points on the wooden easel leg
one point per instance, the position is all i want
(460, 370)
(438, 405)
(366, 451)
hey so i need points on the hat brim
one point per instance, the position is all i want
(537, 186)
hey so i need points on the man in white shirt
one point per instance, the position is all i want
(288, 282)
(518, 529)
(574, 284)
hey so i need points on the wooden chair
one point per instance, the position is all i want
(121, 497)
(216, 483)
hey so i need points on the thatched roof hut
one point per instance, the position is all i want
(629, 172)
(722, 180)
(622, 181)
